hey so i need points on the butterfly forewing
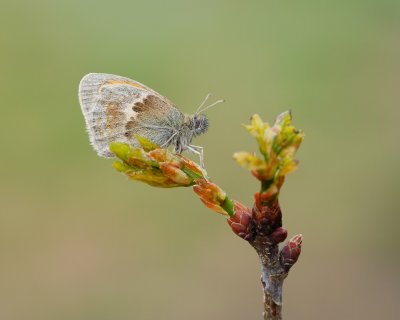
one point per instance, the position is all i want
(117, 108)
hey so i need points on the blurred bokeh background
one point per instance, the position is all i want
(80, 241)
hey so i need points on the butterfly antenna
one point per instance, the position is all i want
(212, 105)
(202, 104)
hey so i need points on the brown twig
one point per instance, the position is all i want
(261, 226)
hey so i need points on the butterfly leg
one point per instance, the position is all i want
(200, 152)
(168, 142)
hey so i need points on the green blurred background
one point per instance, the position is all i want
(80, 241)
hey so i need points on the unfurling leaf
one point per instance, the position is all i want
(278, 145)
(213, 197)
(146, 144)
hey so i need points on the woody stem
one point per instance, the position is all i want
(272, 276)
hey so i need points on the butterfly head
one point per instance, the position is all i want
(198, 124)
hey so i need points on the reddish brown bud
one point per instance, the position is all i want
(267, 216)
(266, 198)
(291, 252)
(241, 221)
(279, 235)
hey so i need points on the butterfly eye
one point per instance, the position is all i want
(197, 123)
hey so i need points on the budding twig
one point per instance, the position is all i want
(260, 225)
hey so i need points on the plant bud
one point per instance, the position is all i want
(291, 252)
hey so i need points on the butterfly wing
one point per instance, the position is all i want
(117, 108)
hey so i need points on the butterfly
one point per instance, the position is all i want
(116, 109)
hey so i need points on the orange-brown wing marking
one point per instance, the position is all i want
(151, 112)
(152, 103)
(127, 82)
(114, 116)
